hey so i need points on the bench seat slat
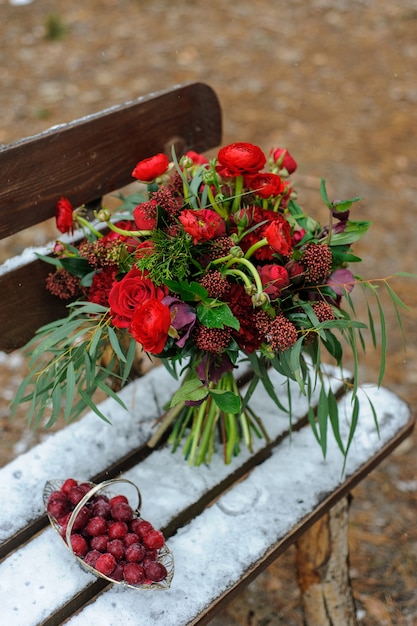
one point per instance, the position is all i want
(280, 479)
(87, 447)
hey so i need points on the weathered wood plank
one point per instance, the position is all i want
(90, 157)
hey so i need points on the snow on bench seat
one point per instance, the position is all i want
(88, 447)
(210, 555)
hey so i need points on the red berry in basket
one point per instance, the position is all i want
(154, 539)
(96, 526)
(75, 494)
(63, 521)
(118, 499)
(68, 484)
(131, 538)
(135, 553)
(116, 547)
(105, 564)
(122, 512)
(58, 507)
(117, 530)
(155, 571)
(99, 543)
(101, 508)
(141, 527)
(134, 574)
(57, 495)
(151, 555)
(79, 545)
(117, 573)
(91, 557)
(82, 519)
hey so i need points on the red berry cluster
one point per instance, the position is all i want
(107, 535)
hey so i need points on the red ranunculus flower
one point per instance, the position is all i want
(127, 294)
(63, 216)
(265, 184)
(196, 158)
(150, 325)
(147, 170)
(285, 159)
(274, 278)
(278, 235)
(202, 224)
(145, 215)
(240, 158)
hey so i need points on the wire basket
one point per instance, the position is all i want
(164, 555)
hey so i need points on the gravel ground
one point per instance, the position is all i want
(332, 80)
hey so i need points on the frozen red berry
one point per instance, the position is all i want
(68, 484)
(116, 547)
(131, 538)
(118, 499)
(151, 554)
(82, 518)
(134, 574)
(75, 494)
(58, 507)
(79, 544)
(96, 526)
(154, 539)
(117, 573)
(99, 543)
(105, 564)
(122, 512)
(117, 530)
(141, 527)
(135, 553)
(156, 571)
(101, 508)
(91, 557)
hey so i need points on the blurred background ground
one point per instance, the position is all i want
(335, 82)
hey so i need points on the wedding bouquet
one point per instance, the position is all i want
(216, 264)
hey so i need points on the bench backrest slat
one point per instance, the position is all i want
(84, 161)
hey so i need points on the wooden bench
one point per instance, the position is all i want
(224, 524)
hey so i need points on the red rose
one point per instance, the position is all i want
(240, 158)
(127, 294)
(265, 184)
(63, 216)
(145, 215)
(150, 325)
(274, 278)
(202, 224)
(278, 235)
(284, 159)
(147, 170)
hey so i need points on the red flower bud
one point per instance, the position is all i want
(63, 216)
(284, 159)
